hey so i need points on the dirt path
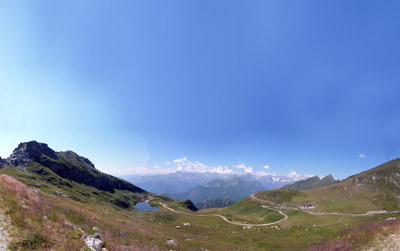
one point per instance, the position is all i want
(369, 213)
(4, 232)
(232, 222)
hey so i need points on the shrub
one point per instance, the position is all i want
(33, 241)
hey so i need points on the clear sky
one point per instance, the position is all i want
(309, 86)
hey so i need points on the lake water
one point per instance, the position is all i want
(144, 206)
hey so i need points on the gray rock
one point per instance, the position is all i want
(68, 224)
(93, 242)
(172, 242)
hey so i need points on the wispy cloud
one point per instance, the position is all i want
(362, 156)
(266, 167)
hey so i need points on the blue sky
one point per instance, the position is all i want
(296, 85)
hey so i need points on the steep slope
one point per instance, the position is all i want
(235, 188)
(375, 189)
(68, 174)
(311, 183)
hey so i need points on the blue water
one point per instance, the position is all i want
(144, 206)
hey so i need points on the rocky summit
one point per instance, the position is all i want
(30, 151)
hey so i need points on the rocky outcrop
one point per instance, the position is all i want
(189, 205)
(29, 152)
(2, 163)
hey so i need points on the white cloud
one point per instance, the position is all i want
(157, 166)
(266, 167)
(183, 164)
(167, 163)
(247, 169)
(362, 156)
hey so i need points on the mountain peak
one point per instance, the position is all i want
(328, 178)
(311, 183)
(31, 151)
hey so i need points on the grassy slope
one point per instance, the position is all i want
(49, 182)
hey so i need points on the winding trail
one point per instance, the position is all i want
(369, 213)
(232, 222)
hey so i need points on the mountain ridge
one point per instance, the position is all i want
(69, 175)
(311, 183)
(234, 188)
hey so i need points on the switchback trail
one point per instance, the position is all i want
(369, 213)
(231, 222)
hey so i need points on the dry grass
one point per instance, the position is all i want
(47, 222)
(359, 236)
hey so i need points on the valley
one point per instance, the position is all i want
(45, 194)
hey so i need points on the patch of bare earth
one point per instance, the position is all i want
(4, 229)
(387, 243)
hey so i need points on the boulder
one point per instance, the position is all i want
(172, 242)
(93, 242)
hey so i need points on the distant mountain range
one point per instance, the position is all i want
(234, 187)
(311, 183)
(171, 183)
(200, 187)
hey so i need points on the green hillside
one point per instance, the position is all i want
(311, 183)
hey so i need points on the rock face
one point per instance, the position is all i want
(2, 163)
(30, 151)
